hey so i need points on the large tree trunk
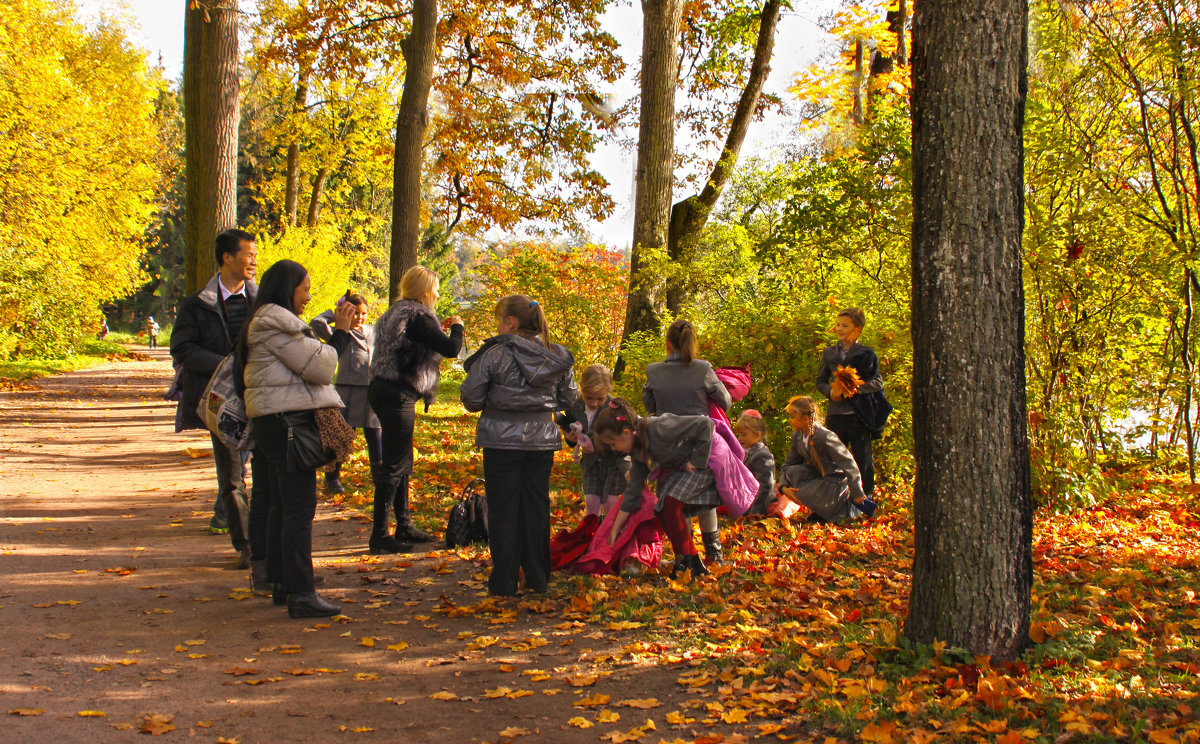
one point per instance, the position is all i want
(973, 566)
(314, 202)
(211, 116)
(656, 160)
(418, 48)
(689, 216)
(291, 195)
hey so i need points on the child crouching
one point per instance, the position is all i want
(820, 472)
(678, 444)
(751, 433)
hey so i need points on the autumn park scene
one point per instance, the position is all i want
(673, 372)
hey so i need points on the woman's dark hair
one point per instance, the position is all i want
(618, 416)
(278, 287)
(681, 335)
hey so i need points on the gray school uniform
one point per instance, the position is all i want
(682, 389)
(353, 371)
(601, 473)
(761, 463)
(831, 495)
(672, 442)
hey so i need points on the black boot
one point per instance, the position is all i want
(279, 595)
(697, 566)
(712, 547)
(333, 482)
(310, 605)
(406, 531)
(259, 583)
(387, 544)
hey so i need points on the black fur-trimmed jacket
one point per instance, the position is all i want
(410, 346)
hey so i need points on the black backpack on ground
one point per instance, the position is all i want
(467, 521)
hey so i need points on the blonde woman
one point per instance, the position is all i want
(406, 366)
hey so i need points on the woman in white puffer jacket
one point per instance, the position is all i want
(286, 368)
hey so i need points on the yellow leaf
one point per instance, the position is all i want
(39, 711)
(676, 718)
(498, 692)
(397, 646)
(879, 733)
(157, 725)
(608, 716)
(582, 680)
(580, 722)
(624, 625)
(443, 695)
(512, 732)
(367, 641)
(91, 714)
(644, 703)
(592, 702)
(734, 716)
(1163, 736)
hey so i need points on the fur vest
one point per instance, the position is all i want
(400, 359)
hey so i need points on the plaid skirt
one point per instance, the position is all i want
(602, 478)
(697, 489)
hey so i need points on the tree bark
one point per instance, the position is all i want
(291, 196)
(973, 564)
(211, 117)
(689, 216)
(655, 163)
(856, 113)
(314, 202)
(418, 49)
(897, 21)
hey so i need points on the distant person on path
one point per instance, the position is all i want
(517, 380)
(843, 390)
(406, 367)
(287, 369)
(208, 323)
(353, 376)
(152, 332)
(103, 334)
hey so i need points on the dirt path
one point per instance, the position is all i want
(117, 605)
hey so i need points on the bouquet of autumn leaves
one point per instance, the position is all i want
(845, 382)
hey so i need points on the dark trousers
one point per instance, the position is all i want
(374, 439)
(397, 413)
(518, 499)
(231, 491)
(858, 440)
(291, 507)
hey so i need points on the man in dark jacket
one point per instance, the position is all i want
(206, 327)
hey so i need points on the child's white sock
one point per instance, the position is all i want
(591, 503)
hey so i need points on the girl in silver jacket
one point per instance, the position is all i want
(518, 379)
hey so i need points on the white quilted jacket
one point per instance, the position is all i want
(287, 367)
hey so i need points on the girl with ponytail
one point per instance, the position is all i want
(518, 379)
(684, 385)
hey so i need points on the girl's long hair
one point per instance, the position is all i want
(681, 335)
(278, 287)
(531, 318)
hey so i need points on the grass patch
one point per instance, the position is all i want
(89, 353)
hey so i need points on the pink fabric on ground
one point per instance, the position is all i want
(735, 483)
(640, 538)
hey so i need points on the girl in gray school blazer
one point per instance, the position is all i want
(353, 376)
(820, 472)
(684, 385)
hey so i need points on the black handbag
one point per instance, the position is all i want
(304, 449)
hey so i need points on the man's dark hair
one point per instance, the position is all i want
(230, 241)
(278, 288)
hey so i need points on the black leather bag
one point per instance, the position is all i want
(467, 521)
(304, 449)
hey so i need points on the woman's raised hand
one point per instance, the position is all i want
(453, 320)
(343, 316)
